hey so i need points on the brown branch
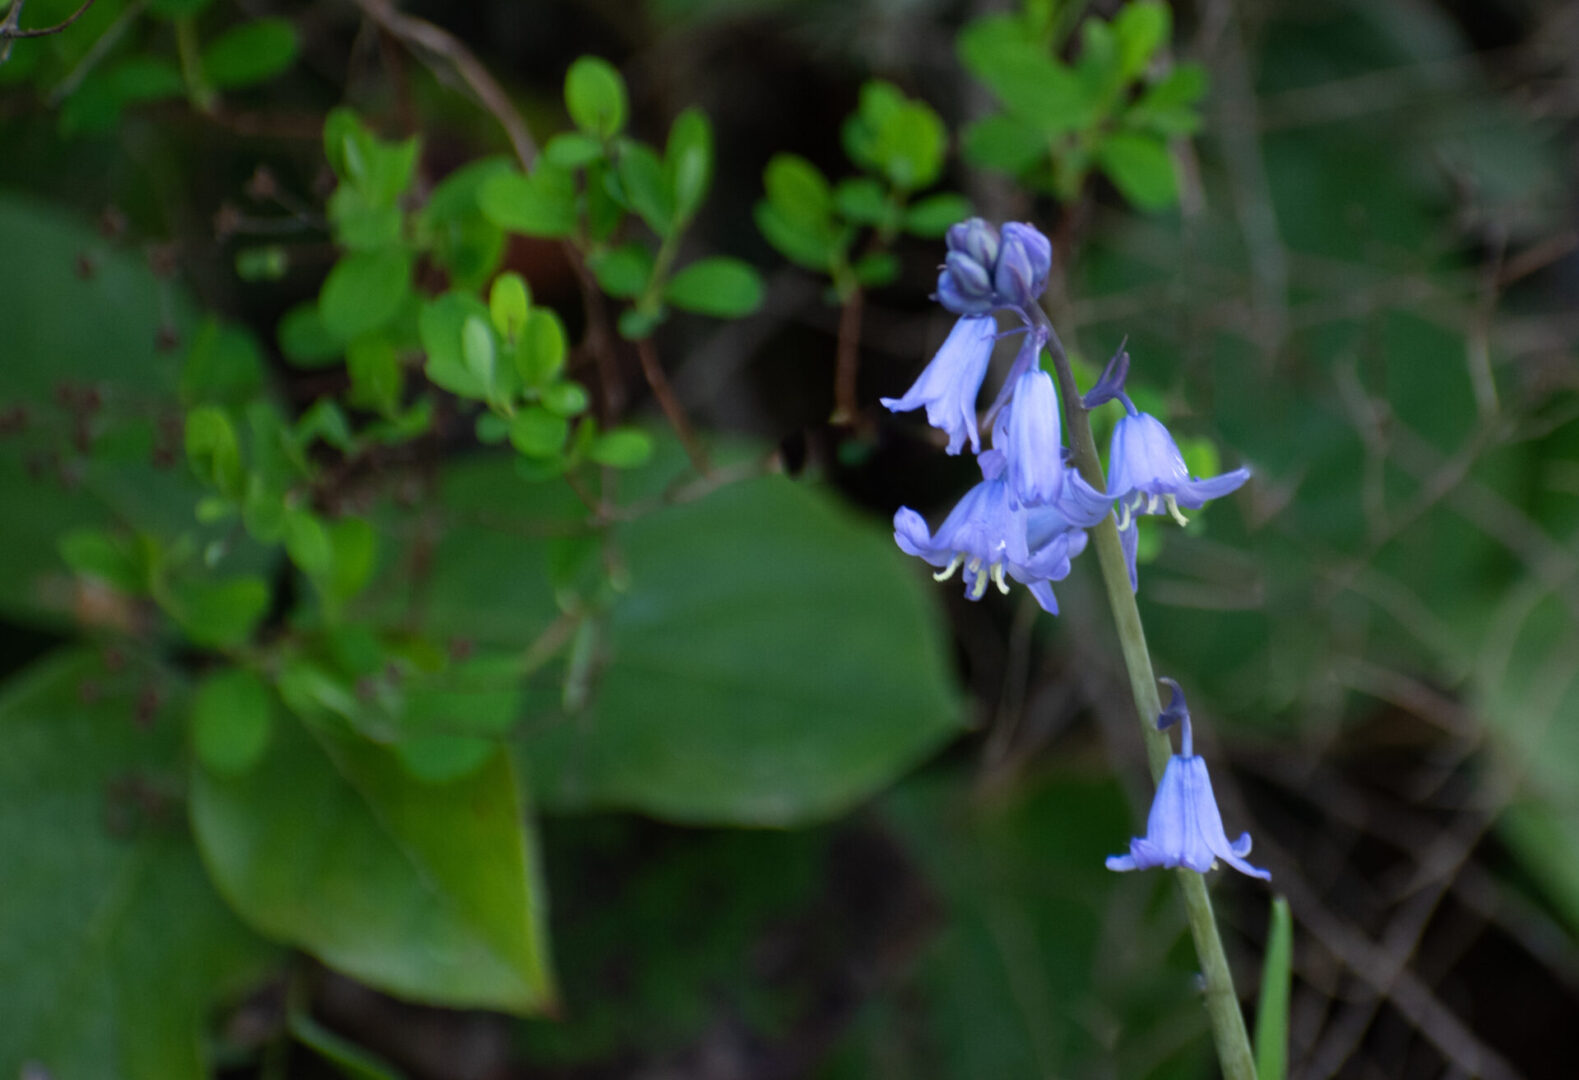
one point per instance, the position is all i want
(845, 408)
(11, 29)
(671, 405)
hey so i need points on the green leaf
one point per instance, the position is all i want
(862, 200)
(543, 204)
(425, 890)
(595, 97)
(1272, 1006)
(572, 150)
(1042, 92)
(893, 135)
(218, 614)
(251, 53)
(623, 271)
(720, 286)
(1140, 28)
(540, 354)
(622, 448)
(635, 325)
(566, 399)
(509, 301)
(877, 269)
(360, 224)
(355, 556)
(798, 191)
(354, 1061)
(116, 946)
(1005, 143)
(441, 325)
(223, 365)
(231, 720)
(324, 420)
(305, 340)
(478, 351)
(931, 217)
(376, 376)
(364, 291)
(111, 559)
(380, 171)
(538, 433)
(1141, 168)
(645, 186)
(465, 242)
(1169, 106)
(212, 448)
(263, 262)
(96, 106)
(814, 249)
(307, 542)
(688, 161)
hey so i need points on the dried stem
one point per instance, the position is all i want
(671, 405)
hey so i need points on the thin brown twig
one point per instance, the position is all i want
(648, 354)
(845, 407)
(11, 28)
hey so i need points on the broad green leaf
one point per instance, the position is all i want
(798, 191)
(1272, 1006)
(305, 340)
(538, 433)
(1038, 89)
(540, 354)
(645, 186)
(251, 53)
(1141, 168)
(364, 291)
(1139, 29)
(223, 365)
(442, 325)
(424, 890)
(623, 271)
(219, 614)
(723, 287)
(595, 97)
(932, 216)
(117, 948)
(572, 150)
(542, 204)
(231, 720)
(688, 161)
(814, 248)
(113, 559)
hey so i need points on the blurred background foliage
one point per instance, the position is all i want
(410, 674)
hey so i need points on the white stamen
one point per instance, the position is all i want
(1123, 517)
(997, 577)
(979, 589)
(1173, 508)
(948, 571)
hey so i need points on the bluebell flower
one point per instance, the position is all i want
(1185, 828)
(1147, 475)
(965, 283)
(989, 540)
(1030, 435)
(1025, 258)
(950, 383)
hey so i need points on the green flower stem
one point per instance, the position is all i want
(1222, 1004)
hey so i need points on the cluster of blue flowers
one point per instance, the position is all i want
(1029, 515)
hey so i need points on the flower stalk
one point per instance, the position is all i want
(1229, 1033)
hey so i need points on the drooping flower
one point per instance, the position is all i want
(950, 383)
(1032, 440)
(1147, 475)
(989, 540)
(1025, 258)
(1185, 828)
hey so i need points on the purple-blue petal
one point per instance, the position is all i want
(948, 386)
(1035, 441)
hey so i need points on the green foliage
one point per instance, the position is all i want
(251, 53)
(899, 142)
(722, 287)
(1106, 110)
(1272, 1007)
(595, 97)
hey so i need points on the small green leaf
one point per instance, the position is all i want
(376, 377)
(931, 217)
(223, 365)
(95, 553)
(862, 200)
(1005, 143)
(441, 325)
(219, 614)
(623, 271)
(212, 448)
(645, 186)
(477, 349)
(1169, 106)
(231, 720)
(572, 150)
(1140, 28)
(492, 428)
(622, 448)
(635, 325)
(251, 53)
(540, 355)
(566, 399)
(364, 291)
(263, 262)
(307, 542)
(723, 287)
(813, 248)
(305, 340)
(895, 136)
(877, 269)
(543, 204)
(509, 300)
(688, 161)
(538, 433)
(799, 191)
(361, 224)
(595, 97)
(1043, 92)
(1141, 168)
(1272, 1006)
(355, 556)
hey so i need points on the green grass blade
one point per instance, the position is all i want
(1272, 1009)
